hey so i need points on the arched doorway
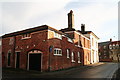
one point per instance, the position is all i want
(34, 60)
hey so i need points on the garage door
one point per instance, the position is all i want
(35, 62)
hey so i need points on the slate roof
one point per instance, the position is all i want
(30, 30)
(104, 43)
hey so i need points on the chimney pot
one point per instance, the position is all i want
(83, 27)
(110, 39)
(71, 11)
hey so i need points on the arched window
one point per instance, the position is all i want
(68, 53)
(110, 46)
(72, 57)
(113, 46)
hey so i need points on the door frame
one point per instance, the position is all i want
(9, 52)
(16, 57)
(8, 62)
(34, 52)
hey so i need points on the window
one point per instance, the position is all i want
(117, 45)
(25, 36)
(9, 58)
(68, 53)
(96, 44)
(113, 46)
(0, 42)
(72, 57)
(56, 35)
(110, 46)
(11, 41)
(105, 52)
(88, 57)
(104, 47)
(79, 57)
(99, 53)
(99, 47)
(79, 41)
(58, 52)
(70, 40)
(84, 43)
(88, 44)
(92, 42)
(105, 57)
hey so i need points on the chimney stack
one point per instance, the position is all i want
(110, 39)
(71, 20)
(83, 27)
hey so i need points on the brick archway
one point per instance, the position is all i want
(34, 60)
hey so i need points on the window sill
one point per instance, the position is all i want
(73, 61)
(26, 38)
(79, 62)
(57, 54)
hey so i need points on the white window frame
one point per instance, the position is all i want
(68, 53)
(79, 57)
(117, 45)
(57, 53)
(110, 46)
(26, 37)
(113, 46)
(57, 35)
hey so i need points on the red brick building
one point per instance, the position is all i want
(44, 48)
(104, 51)
(109, 51)
(114, 51)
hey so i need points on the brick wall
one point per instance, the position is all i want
(42, 40)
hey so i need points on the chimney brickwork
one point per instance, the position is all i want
(71, 20)
(83, 27)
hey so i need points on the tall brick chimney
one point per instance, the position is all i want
(71, 20)
(83, 27)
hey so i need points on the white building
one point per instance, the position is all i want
(93, 44)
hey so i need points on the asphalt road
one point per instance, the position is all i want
(105, 70)
(102, 71)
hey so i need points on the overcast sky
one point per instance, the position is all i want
(99, 16)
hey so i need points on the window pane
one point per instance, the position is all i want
(54, 51)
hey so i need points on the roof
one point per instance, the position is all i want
(104, 43)
(67, 29)
(108, 43)
(88, 32)
(30, 30)
(115, 42)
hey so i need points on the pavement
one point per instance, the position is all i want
(18, 73)
(96, 64)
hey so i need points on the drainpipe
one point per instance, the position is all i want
(14, 44)
(50, 52)
(49, 61)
